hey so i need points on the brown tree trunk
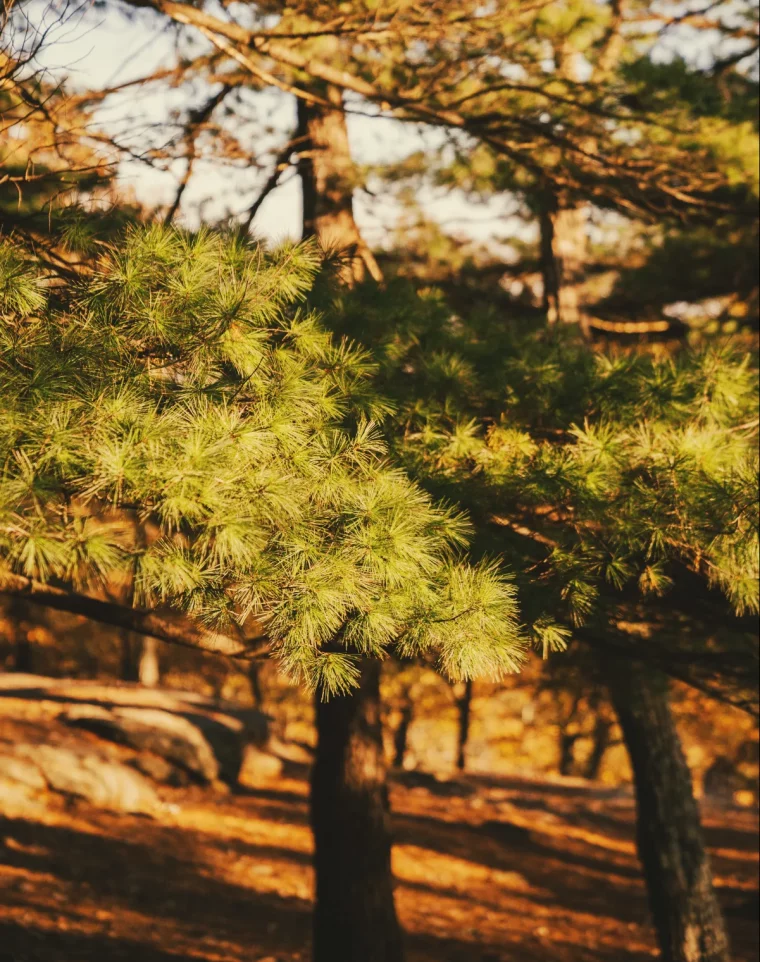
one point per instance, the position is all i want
(254, 677)
(129, 660)
(549, 267)
(327, 175)
(401, 735)
(601, 736)
(464, 706)
(563, 262)
(567, 752)
(355, 915)
(149, 671)
(22, 653)
(676, 865)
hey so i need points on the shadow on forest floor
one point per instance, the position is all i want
(485, 875)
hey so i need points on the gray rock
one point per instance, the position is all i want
(87, 775)
(227, 738)
(192, 732)
(153, 730)
(159, 770)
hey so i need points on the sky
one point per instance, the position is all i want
(101, 49)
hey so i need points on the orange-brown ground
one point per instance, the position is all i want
(488, 872)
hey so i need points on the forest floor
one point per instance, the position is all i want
(488, 871)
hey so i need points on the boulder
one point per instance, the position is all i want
(195, 735)
(22, 771)
(89, 776)
(227, 737)
(153, 730)
(295, 752)
(159, 770)
(258, 767)
(18, 799)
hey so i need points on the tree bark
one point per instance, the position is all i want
(464, 706)
(563, 262)
(254, 678)
(327, 176)
(22, 647)
(166, 626)
(129, 661)
(601, 736)
(567, 752)
(676, 865)
(355, 916)
(149, 671)
(401, 735)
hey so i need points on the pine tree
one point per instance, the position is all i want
(179, 416)
(626, 485)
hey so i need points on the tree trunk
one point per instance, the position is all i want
(130, 668)
(22, 648)
(327, 176)
(401, 735)
(567, 752)
(549, 267)
(149, 671)
(602, 730)
(563, 262)
(254, 677)
(355, 915)
(676, 865)
(464, 705)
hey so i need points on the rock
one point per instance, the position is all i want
(153, 730)
(290, 751)
(22, 771)
(87, 775)
(191, 732)
(258, 767)
(17, 797)
(78, 711)
(226, 736)
(160, 770)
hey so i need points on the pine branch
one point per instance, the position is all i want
(165, 626)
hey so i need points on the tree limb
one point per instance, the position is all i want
(165, 626)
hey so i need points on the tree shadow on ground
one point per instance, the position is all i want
(148, 882)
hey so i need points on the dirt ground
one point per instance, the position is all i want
(488, 871)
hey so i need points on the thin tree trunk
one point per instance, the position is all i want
(149, 671)
(254, 677)
(602, 730)
(327, 175)
(567, 752)
(401, 735)
(355, 916)
(563, 263)
(129, 661)
(22, 654)
(549, 267)
(676, 865)
(464, 706)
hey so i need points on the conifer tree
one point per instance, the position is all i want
(179, 416)
(626, 485)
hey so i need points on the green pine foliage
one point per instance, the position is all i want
(602, 477)
(181, 416)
